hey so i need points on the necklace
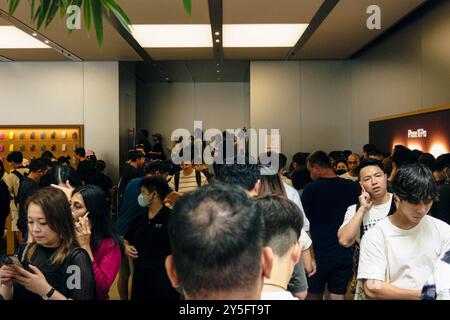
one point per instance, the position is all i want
(275, 285)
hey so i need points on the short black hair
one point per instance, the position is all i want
(300, 158)
(442, 162)
(157, 184)
(369, 147)
(402, 155)
(216, 238)
(283, 222)
(244, 175)
(427, 159)
(100, 165)
(415, 183)
(144, 133)
(47, 155)
(60, 174)
(155, 167)
(320, 158)
(38, 164)
(375, 153)
(80, 152)
(300, 178)
(133, 156)
(15, 157)
(63, 161)
(2, 169)
(368, 162)
(340, 160)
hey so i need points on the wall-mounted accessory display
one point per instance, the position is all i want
(32, 140)
(2, 135)
(2, 148)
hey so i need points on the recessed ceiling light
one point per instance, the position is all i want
(217, 40)
(46, 41)
(217, 33)
(217, 70)
(173, 35)
(34, 34)
(14, 38)
(218, 64)
(262, 35)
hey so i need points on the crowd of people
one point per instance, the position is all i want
(333, 226)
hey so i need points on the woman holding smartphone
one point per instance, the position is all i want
(56, 268)
(96, 234)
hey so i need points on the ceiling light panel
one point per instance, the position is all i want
(14, 38)
(173, 35)
(262, 35)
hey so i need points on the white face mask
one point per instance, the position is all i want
(144, 200)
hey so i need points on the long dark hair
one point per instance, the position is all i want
(99, 215)
(58, 215)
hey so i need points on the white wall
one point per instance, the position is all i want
(168, 106)
(307, 101)
(45, 93)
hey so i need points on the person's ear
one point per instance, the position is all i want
(297, 252)
(257, 186)
(171, 272)
(266, 262)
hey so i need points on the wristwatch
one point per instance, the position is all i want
(49, 294)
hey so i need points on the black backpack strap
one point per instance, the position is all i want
(198, 178)
(393, 207)
(20, 177)
(177, 180)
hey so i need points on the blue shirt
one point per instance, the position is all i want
(129, 207)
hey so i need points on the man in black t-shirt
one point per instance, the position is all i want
(325, 202)
(147, 243)
(28, 186)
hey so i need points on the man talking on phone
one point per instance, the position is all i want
(375, 203)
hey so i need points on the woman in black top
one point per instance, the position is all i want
(4, 203)
(52, 266)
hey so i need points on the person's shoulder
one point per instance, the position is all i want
(377, 231)
(436, 222)
(78, 254)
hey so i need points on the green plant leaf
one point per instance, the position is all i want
(188, 6)
(42, 12)
(13, 4)
(52, 12)
(32, 5)
(119, 13)
(63, 7)
(87, 14)
(97, 15)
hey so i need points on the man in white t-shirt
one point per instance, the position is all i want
(282, 224)
(375, 203)
(399, 253)
(352, 163)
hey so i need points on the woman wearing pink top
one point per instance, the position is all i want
(96, 234)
